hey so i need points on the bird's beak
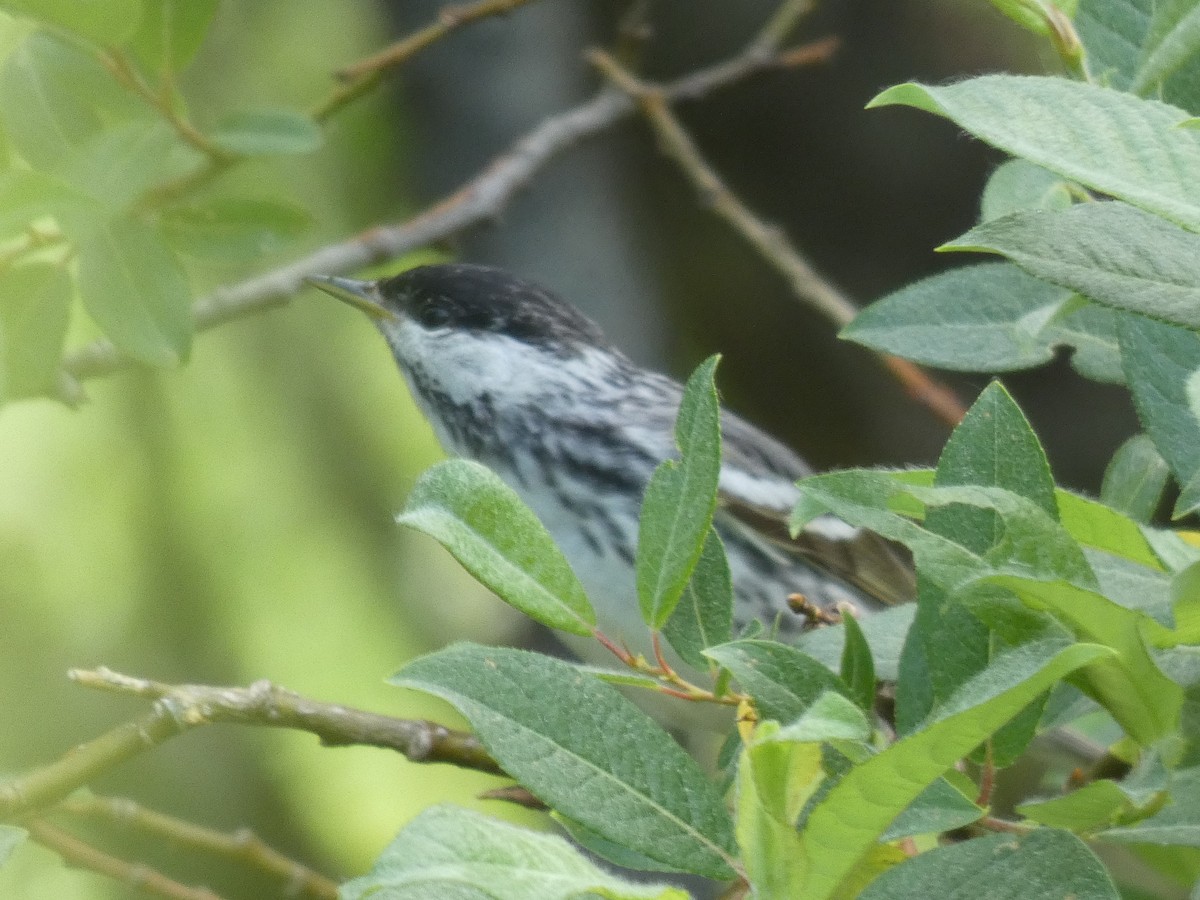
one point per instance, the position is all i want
(362, 295)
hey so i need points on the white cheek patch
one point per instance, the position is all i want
(464, 366)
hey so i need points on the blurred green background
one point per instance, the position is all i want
(232, 520)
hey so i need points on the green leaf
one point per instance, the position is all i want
(680, 499)
(27, 196)
(1113, 32)
(108, 23)
(774, 779)
(1029, 14)
(1086, 808)
(782, 680)
(1091, 330)
(1172, 39)
(1178, 824)
(1160, 361)
(497, 538)
(116, 165)
(134, 289)
(940, 807)
(885, 631)
(981, 318)
(1094, 524)
(1128, 684)
(1135, 479)
(46, 98)
(446, 848)
(267, 132)
(11, 837)
(171, 32)
(1141, 588)
(1045, 864)
(1114, 143)
(704, 616)
(1018, 184)
(234, 229)
(35, 302)
(1112, 253)
(1032, 543)
(858, 667)
(625, 857)
(846, 824)
(585, 751)
(832, 717)
(993, 446)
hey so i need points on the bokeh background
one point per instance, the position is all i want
(231, 520)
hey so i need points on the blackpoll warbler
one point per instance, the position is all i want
(515, 378)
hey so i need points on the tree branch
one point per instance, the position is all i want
(361, 77)
(807, 285)
(178, 708)
(479, 200)
(79, 853)
(242, 845)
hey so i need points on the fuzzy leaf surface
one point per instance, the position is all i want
(680, 500)
(446, 848)
(1135, 479)
(783, 681)
(1161, 361)
(466, 508)
(1110, 252)
(1114, 143)
(1046, 864)
(846, 824)
(585, 751)
(1177, 824)
(704, 616)
(989, 317)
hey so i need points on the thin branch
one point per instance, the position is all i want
(126, 73)
(361, 77)
(179, 708)
(46, 785)
(480, 200)
(771, 243)
(263, 703)
(242, 845)
(141, 878)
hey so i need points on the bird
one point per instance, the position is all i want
(514, 377)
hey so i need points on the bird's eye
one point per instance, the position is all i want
(433, 314)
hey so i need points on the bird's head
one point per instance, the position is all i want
(461, 329)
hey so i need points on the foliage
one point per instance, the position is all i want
(1036, 608)
(1025, 590)
(109, 190)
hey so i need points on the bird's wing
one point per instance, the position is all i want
(757, 489)
(877, 567)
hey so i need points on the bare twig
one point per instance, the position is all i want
(808, 285)
(179, 708)
(263, 703)
(141, 878)
(126, 73)
(242, 845)
(478, 201)
(362, 76)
